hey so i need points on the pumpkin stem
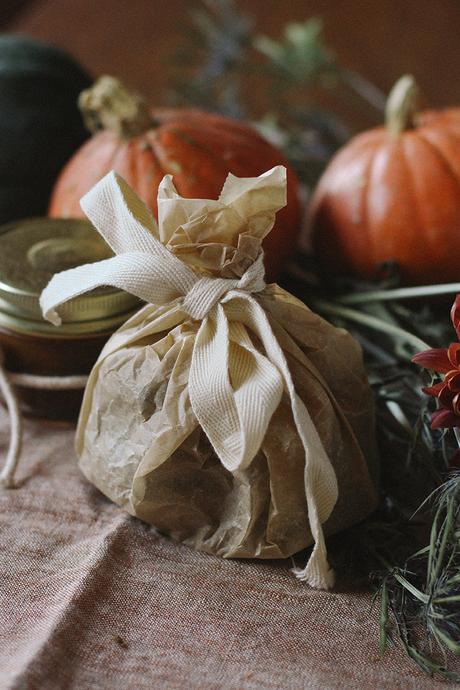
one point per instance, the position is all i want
(110, 105)
(401, 105)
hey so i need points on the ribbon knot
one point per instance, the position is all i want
(207, 292)
(234, 387)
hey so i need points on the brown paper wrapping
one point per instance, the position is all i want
(258, 512)
(138, 437)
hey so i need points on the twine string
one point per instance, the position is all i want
(7, 382)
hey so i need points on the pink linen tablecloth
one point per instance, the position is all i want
(92, 598)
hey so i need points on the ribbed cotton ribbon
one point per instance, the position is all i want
(233, 391)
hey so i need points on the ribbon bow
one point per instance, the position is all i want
(233, 396)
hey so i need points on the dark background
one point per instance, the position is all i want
(135, 38)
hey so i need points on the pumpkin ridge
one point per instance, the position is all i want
(437, 149)
(148, 195)
(186, 138)
(152, 141)
(219, 123)
(232, 143)
(366, 213)
(217, 130)
(120, 149)
(111, 160)
(334, 245)
(412, 190)
(62, 183)
(157, 153)
(183, 136)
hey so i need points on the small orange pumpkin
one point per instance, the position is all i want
(198, 148)
(393, 193)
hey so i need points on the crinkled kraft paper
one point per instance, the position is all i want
(289, 420)
(138, 390)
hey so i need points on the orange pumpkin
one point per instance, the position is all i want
(199, 149)
(393, 193)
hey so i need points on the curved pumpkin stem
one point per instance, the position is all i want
(110, 105)
(401, 105)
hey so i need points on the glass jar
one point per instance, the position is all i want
(31, 252)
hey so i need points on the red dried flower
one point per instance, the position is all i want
(445, 361)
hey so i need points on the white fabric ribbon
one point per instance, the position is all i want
(233, 394)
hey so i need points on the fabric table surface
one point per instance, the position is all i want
(92, 598)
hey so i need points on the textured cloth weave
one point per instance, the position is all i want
(91, 598)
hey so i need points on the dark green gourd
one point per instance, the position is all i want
(40, 124)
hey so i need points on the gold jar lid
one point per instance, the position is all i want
(31, 252)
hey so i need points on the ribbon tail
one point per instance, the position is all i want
(120, 216)
(127, 226)
(317, 573)
(144, 275)
(321, 488)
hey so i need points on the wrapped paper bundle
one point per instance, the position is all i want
(224, 412)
